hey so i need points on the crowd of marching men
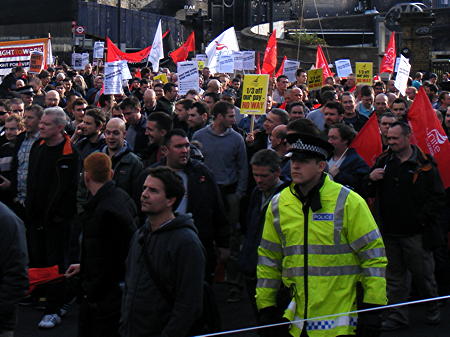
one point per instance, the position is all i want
(60, 136)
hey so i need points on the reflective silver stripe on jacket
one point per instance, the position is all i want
(374, 271)
(372, 253)
(267, 261)
(322, 271)
(272, 246)
(365, 239)
(318, 249)
(276, 218)
(268, 283)
(339, 213)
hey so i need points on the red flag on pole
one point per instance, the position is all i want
(368, 141)
(429, 134)
(181, 54)
(281, 69)
(270, 55)
(115, 54)
(258, 63)
(321, 62)
(388, 62)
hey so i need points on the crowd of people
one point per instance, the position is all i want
(140, 198)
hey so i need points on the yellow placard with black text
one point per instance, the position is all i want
(254, 94)
(364, 73)
(162, 78)
(315, 79)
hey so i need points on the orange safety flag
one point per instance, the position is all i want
(181, 54)
(388, 62)
(270, 55)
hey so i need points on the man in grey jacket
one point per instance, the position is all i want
(13, 268)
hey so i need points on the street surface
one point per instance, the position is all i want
(235, 316)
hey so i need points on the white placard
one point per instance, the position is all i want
(343, 67)
(397, 62)
(238, 60)
(113, 78)
(401, 80)
(290, 68)
(201, 57)
(226, 63)
(84, 59)
(126, 75)
(99, 47)
(248, 60)
(187, 76)
(77, 61)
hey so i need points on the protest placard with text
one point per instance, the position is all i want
(188, 77)
(226, 64)
(248, 60)
(401, 80)
(315, 79)
(113, 78)
(290, 67)
(36, 62)
(238, 60)
(364, 73)
(343, 67)
(99, 47)
(162, 77)
(254, 94)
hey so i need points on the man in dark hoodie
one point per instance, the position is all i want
(165, 266)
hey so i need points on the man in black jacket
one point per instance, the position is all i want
(107, 227)
(202, 198)
(266, 173)
(409, 199)
(13, 268)
(165, 266)
(51, 203)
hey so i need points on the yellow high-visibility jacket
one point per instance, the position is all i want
(321, 255)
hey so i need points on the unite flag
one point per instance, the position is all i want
(270, 55)
(388, 62)
(225, 43)
(429, 134)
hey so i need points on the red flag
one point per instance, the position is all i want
(429, 134)
(368, 141)
(321, 62)
(138, 73)
(388, 62)
(281, 69)
(181, 54)
(165, 34)
(258, 63)
(115, 54)
(270, 55)
(37, 276)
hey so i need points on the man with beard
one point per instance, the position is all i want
(91, 137)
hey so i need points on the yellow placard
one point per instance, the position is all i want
(162, 77)
(364, 73)
(254, 94)
(201, 65)
(315, 79)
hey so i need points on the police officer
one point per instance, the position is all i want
(320, 241)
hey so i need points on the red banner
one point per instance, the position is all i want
(368, 141)
(270, 55)
(388, 62)
(321, 62)
(429, 134)
(115, 54)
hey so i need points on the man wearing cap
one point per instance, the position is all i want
(320, 241)
(26, 94)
